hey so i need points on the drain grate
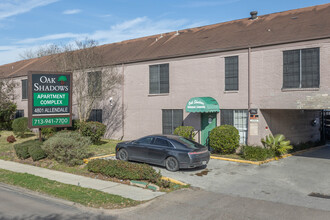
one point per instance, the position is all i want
(319, 195)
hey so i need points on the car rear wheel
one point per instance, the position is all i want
(172, 164)
(123, 154)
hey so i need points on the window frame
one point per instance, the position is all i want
(229, 67)
(24, 97)
(173, 123)
(290, 67)
(94, 90)
(159, 78)
(19, 113)
(97, 111)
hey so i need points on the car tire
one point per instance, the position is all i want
(172, 164)
(122, 154)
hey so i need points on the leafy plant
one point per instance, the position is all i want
(256, 153)
(185, 131)
(20, 126)
(94, 130)
(48, 132)
(67, 147)
(224, 139)
(277, 143)
(11, 139)
(7, 111)
(124, 170)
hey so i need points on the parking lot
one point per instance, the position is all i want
(290, 181)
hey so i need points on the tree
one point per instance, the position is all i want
(92, 81)
(7, 106)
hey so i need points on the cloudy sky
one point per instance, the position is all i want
(28, 24)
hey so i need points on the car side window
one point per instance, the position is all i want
(146, 140)
(161, 142)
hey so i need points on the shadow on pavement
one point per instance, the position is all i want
(321, 153)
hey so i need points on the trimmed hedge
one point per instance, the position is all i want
(67, 147)
(30, 148)
(36, 152)
(185, 131)
(124, 170)
(20, 126)
(256, 153)
(93, 129)
(224, 139)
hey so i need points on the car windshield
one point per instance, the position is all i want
(189, 143)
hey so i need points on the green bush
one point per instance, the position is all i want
(20, 126)
(22, 149)
(256, 153)
(94, 130)
(124, 170)
(185, 131)
(48, 132)
(7, 112)
(67, 147)
(277, 143)
(224, 139)
(75, 124)
(36, 152)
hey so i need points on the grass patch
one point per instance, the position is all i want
(87, 197)
(104, 147)
(7, 151)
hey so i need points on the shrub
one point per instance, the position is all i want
(75, 124)
(185, 131)
(7, 112)
(94, 130)
(124, 170)
(22, 149)
(48, 132)
(11, 139)
(278, 144)
(20, 126)
(257, 153)
(67, 147)
(224, 139)
(36, 152)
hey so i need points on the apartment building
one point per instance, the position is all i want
(264, 75)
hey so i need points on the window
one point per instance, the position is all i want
(19, 114)
(172, 118)
(96, 115)
(146, 140)
(24, 89)
(95, 83)
(301, 68)
(238, 119)
(231, 73)
(159, 79)
(161, 142)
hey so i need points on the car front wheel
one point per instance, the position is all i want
(123, 154)
(172, 164)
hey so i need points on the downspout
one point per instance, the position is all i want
(249, 94)
(122, 102)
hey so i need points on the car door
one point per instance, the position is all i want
(157, 152)
(138, 150)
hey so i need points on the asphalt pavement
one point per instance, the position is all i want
(291, 180)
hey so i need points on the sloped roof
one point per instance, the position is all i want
(283, 27)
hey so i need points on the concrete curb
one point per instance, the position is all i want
(98, 157)
(266, 161)
(174, 181)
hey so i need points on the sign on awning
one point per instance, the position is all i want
(202, 104)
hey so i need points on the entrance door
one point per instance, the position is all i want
(209, 121)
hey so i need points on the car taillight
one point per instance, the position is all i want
(199, 152)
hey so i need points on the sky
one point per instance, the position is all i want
(27, 25)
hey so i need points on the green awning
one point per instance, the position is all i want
(202, 104)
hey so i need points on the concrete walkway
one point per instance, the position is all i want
(123, 190)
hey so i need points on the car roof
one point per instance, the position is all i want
(170, 136)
